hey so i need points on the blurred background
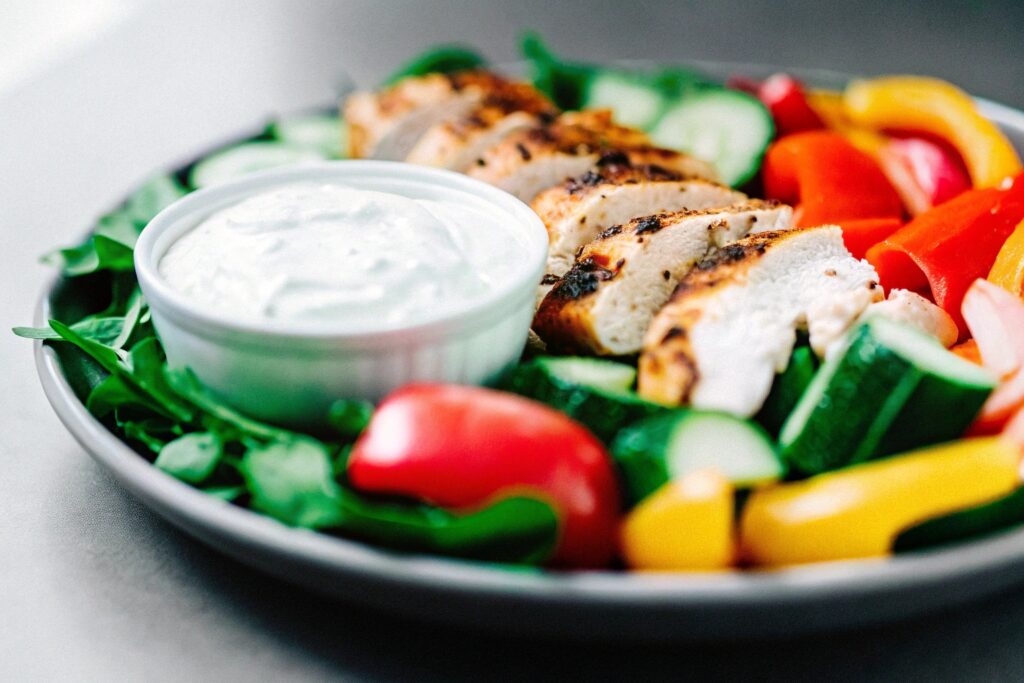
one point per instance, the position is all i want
(95, 95)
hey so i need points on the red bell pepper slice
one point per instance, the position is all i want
(829, 179)
(461, 447)
(950, 246)
(861, 235)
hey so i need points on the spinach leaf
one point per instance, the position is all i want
(228, 493)
(564, 82)
(192, 457)
(98, 252)
(292, 482)
(187, 385)
(440, 59)
(515, 529)
(350, 416)
(152, 432)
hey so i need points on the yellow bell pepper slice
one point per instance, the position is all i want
(687, 524)
(1008, 269)
(858, 512)
(933, 106)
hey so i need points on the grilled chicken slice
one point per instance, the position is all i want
(532, 160)
(579, 209)
(455, 144)
(730, 326)
(388, 124)
(605, 302)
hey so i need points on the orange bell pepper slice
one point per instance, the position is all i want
(830, 180)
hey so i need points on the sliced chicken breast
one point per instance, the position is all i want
(529, 161)
(579, 209)
(731, 324)
(605, 302)
(456, 143)
(912, 309)
(387, 124)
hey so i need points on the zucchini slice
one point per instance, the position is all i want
(246, 158)
(894, 389)
(672, 445)
(596, 393)
(727, 128)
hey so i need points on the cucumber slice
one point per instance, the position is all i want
(596, 393)
(246, 158)
(323, 133)
(727, 128)
(674, 444)
(633, 102)
(787, 389)
(995, 516)
(894, 389)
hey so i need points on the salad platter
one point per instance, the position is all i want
(734, 417)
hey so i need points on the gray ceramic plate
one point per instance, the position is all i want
(584, 605)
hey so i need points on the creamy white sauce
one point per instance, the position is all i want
(329, 252)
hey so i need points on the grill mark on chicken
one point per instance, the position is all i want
(647, 224)
(582, 279)
(523, 152)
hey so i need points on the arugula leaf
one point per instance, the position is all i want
(154, 433)
(98, 252)
(103, 330)
(192, 457)
(350, 416)
(292, 482)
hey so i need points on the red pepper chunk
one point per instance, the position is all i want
(829, 180)
(462, 447)
(862, 234)
(951, 245)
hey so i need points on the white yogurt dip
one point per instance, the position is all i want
(328, 252)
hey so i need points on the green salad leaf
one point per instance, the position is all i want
(191, 457)
(440, 59)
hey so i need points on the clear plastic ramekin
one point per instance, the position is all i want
(290, 372)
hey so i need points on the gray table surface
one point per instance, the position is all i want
(94, 587)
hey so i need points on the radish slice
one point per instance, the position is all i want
(996, 320)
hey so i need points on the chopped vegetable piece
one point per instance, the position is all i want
(950, 246)
(728, 128)
(928, 105)
(973, 522)
(685, 525)
(597, 393)
(635, 102)
(923, 173)
(786, 100)
(857, 513)
(461, 447)
(440, 59)
(881, 396)
(322, 133)
(830, 179)
(1008, 269)
(788, 387)
(968, 350)
(996, 319)
(671, 446)
(248, 157)
(862, 234)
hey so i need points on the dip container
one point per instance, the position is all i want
(290, 372)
